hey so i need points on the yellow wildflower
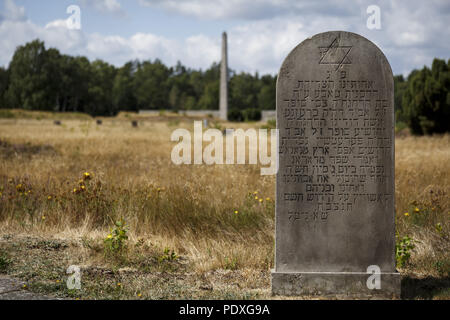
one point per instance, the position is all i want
(236, 212)
(256, 198)
(49, 198)
(43, 217)
(416, 209)
(406, 214)
(260, 200)
(267, 199)
(109, 236)
(139, 294)
(87, 176)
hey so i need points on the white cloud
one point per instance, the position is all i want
(56, 24)
(113, 49)
(12, 12)
(247, 9)
(411, 35)
(106, 6)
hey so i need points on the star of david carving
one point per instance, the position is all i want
(335, 54)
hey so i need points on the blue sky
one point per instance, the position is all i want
(261, 32)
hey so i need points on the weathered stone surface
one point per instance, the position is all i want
(335, 184)
(335, 284)
(12, 289)
(7, 284)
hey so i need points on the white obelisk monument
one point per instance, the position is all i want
(223, 106)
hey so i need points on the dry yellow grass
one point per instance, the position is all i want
(188, 208)
(422, 200)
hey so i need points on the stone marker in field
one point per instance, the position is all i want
(335, 184)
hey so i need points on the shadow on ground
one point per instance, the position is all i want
(425, 288)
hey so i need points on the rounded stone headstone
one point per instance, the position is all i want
(335, 184)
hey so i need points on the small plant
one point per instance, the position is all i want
(139, 243)
(168, 255)
(231, 263)
(403, 250)
(439, 229)
(4, 262)
(115, 241)
(442, 267)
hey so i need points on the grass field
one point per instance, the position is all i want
(194, 231)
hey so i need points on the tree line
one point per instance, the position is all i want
(422, 100)
(44, 79)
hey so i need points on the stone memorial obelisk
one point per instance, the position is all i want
(335, 220)
(223, 104)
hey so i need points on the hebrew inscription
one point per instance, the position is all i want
(333, 142)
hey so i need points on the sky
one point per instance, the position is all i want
(261, 33)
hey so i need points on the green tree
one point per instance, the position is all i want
(243, 91)
(210, 98)
(29, 79)
(400, 86)
(267, 94)
(123, 97)
(4, 80)
(426, 101)
(100, 98)
(151, 85)
(76, 81)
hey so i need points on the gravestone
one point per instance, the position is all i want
(335, 185)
